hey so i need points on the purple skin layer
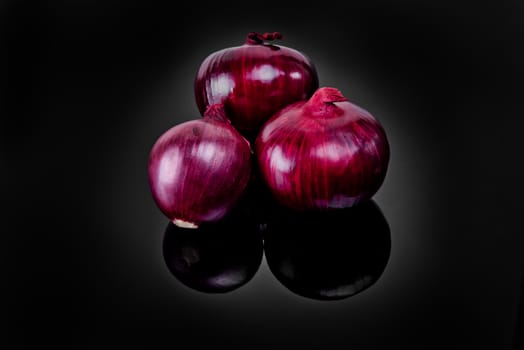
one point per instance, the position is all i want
(254, 81)
(323, 153)
(198, 170)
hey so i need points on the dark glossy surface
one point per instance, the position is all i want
(91, 86)
(329, 255)
(216, 257)
(198, 170)
(322, 154)
(254, 81)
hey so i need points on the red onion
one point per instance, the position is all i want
(254, 80)
(199, 169)
(322, 153)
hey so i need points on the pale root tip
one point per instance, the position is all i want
(184, 224)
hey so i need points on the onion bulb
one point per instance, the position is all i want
(199, 169)
(254, 80)
(322, 153)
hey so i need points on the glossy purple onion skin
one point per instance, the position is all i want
(254, 81)
(198, 170)
(314, 160)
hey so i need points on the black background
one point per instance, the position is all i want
(90, 85)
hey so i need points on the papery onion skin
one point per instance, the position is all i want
(199, 169)
(323, 153)
(254, 81)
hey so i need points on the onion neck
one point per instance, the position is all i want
(322, 103)
(254, 38)
(216, 112)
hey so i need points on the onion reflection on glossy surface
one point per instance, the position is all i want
(216, 257)
(328, 255)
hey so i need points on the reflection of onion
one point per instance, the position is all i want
(328, 255)
(215, 257)
(323, 153)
